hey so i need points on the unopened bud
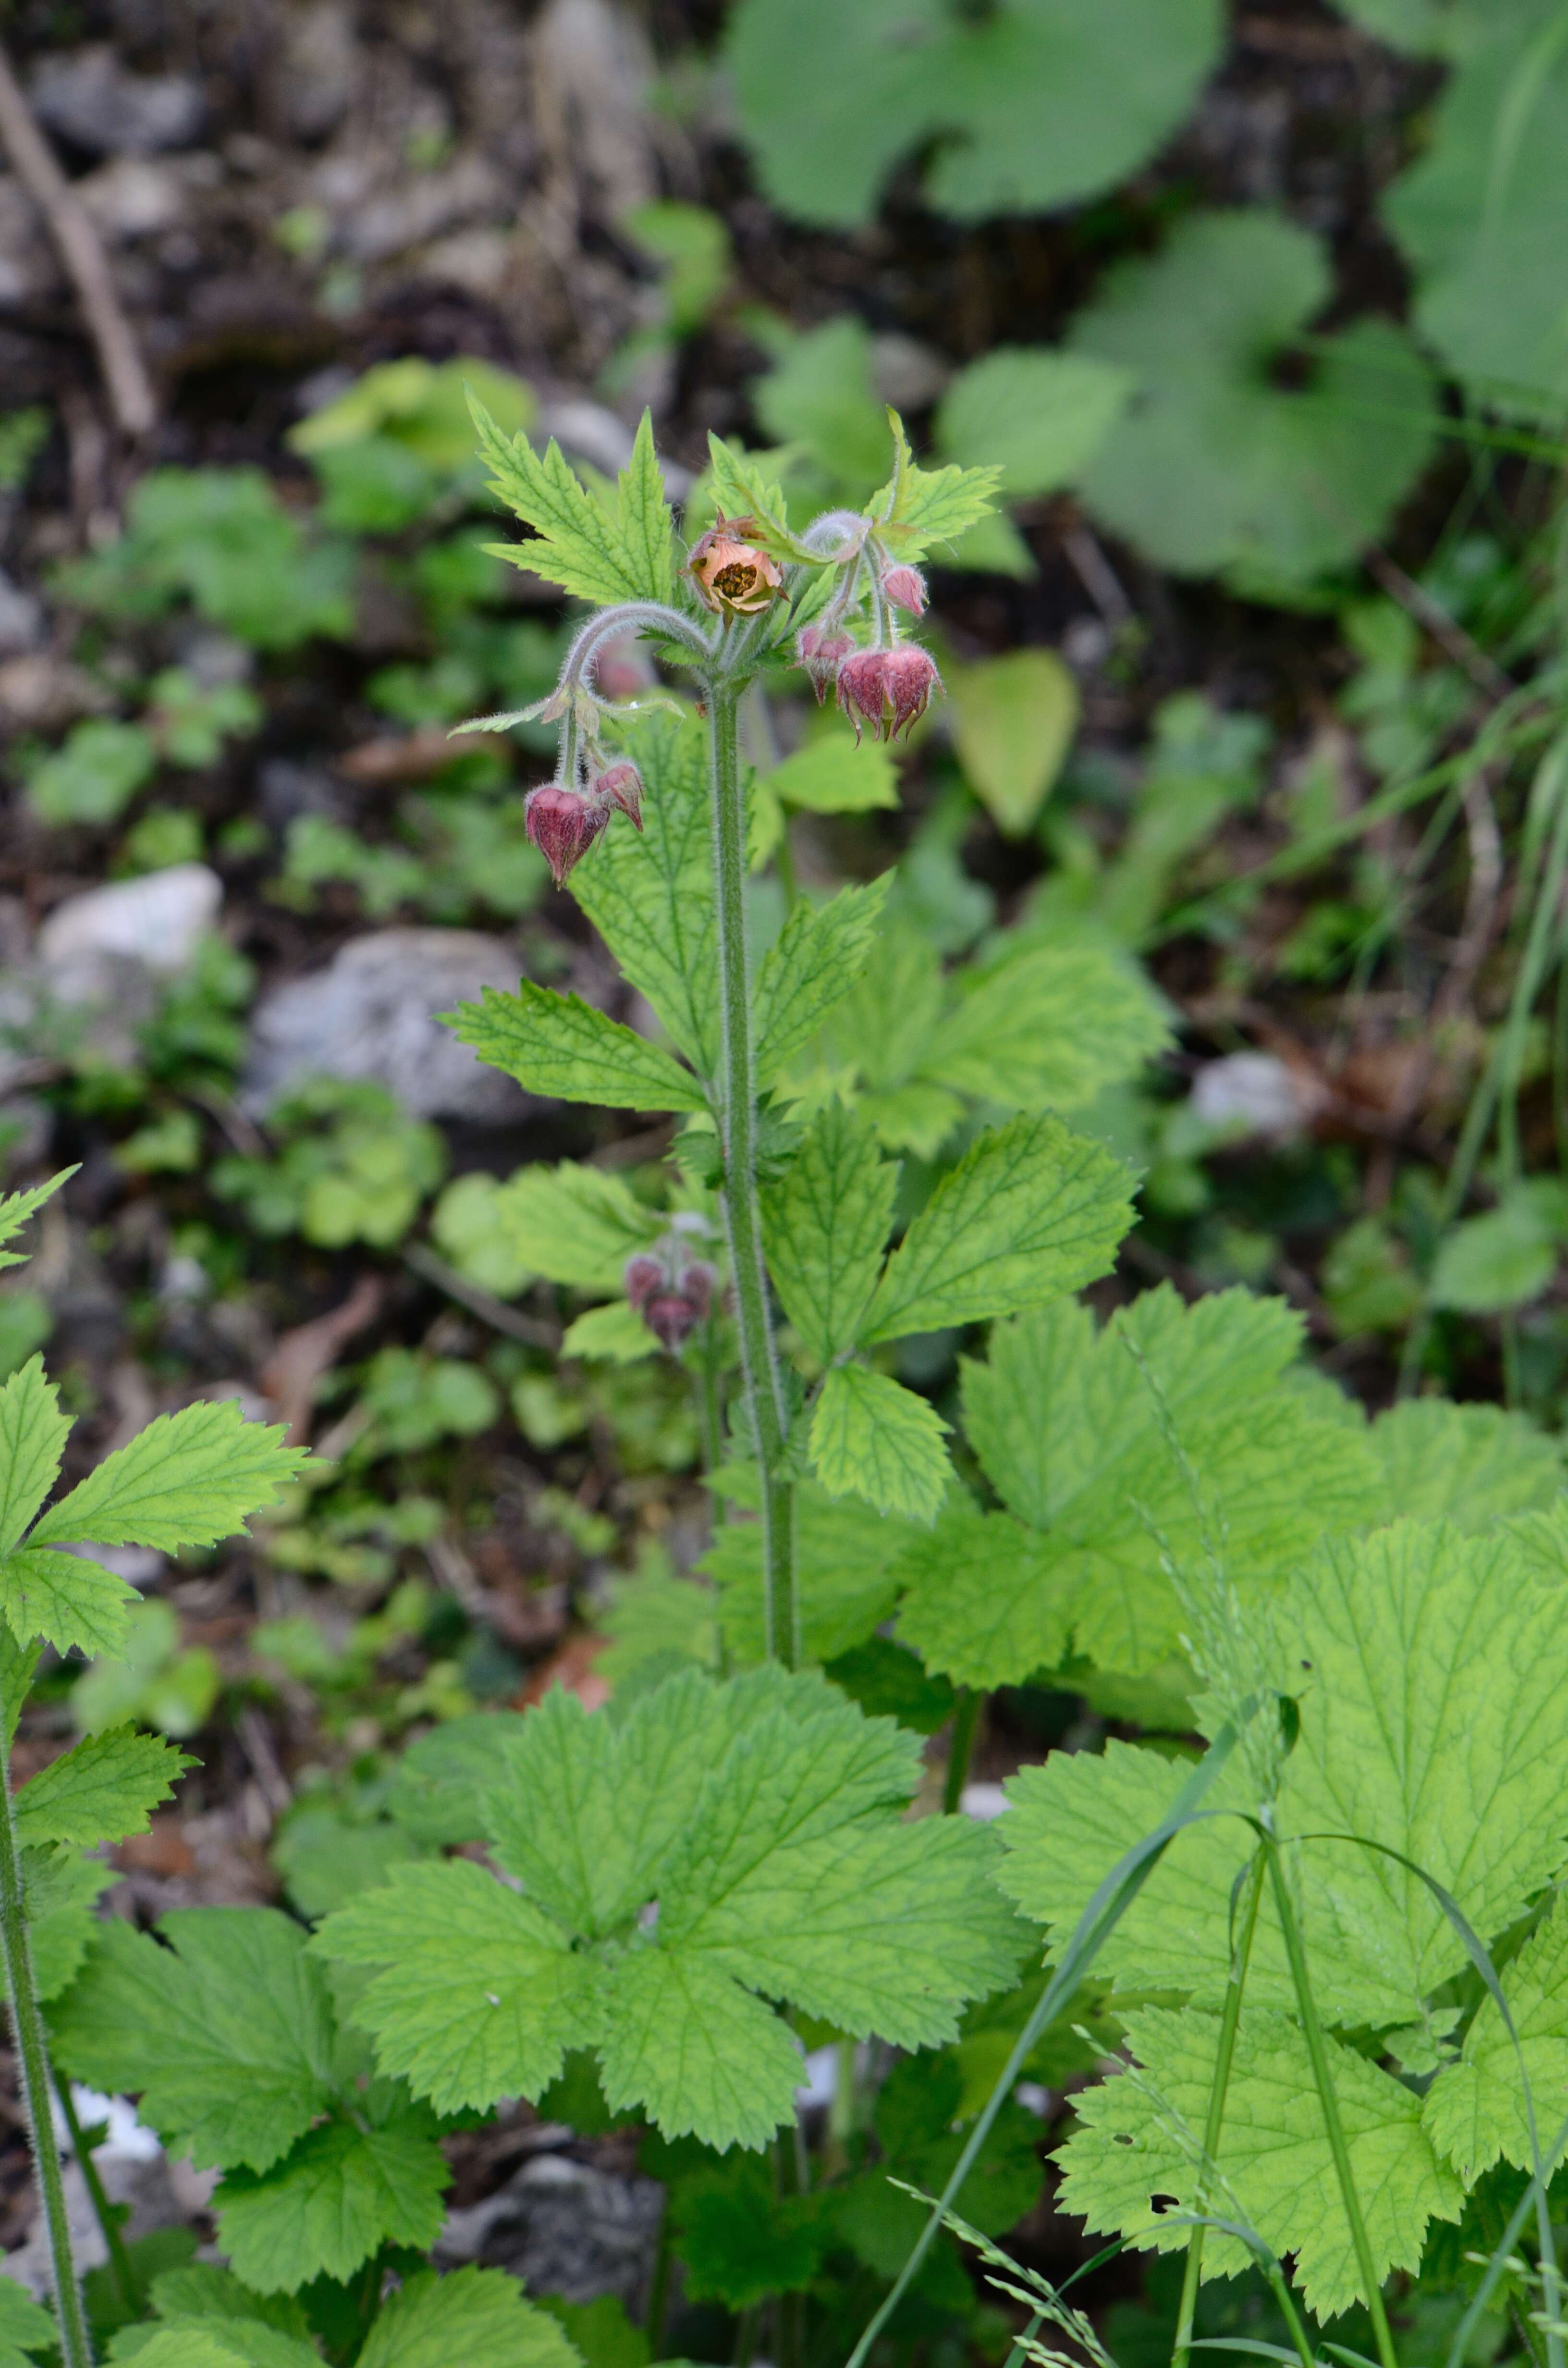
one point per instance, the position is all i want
(732, 575)
(697, 1281)
(563, 824)
(905, 587)
(822, 652)
(860, 690)
(621, 785)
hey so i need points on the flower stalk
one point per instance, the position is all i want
(32, 2056)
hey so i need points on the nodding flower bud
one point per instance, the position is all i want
(563, 824)
(889, 689)
(732, 575)
(643, 1275)
(621, 785)
(671, 1301)
(622, 668)
(822, 652)
(905, 587)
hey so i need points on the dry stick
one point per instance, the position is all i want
(81, 251)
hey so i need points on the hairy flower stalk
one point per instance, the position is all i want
(32, 2054)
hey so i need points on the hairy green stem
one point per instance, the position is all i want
(1323, 2076)
(1229, 2018)
(26, 2029)
(125, 2276)
(766, 1410)
(965, 1719)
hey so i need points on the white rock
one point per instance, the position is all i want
(92, 100)
(21, 619)
(132, 198)
(984, 1802)
(155, 920)
(371, 1013)
(1251, 1093)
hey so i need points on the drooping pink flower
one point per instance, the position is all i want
(563, 824)
(621, 785)
(860, 691)
(642, 1275)
(909, 677)
(822, 652)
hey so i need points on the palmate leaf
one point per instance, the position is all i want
(819, 955)
(476, 2317)
(341, 2191)
(1476, 2108)
(825, 1225)
(575, 545)
(651, 896)
(872, 1438)
(186, 1480)
(1461, 1768)
(1031, 1212)
(845, 1561)
(1274, 2154)
(1471, 1465)
(99, 1791)
(561, 1046)
(573, 1224)
(1052, 1025)
(1075, 1429)
(738, 1808)
(227, 2035)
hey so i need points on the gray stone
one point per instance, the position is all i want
(564, 2228)
(21, 619)
(907, 373)
(132, 196)
(318, 68)
(596, 434)
(1252, 1093)
(89, 98)
(422, 207)
(373, 1013)
(156, 920)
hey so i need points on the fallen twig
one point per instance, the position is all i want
(81, 251)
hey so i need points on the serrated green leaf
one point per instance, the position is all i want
(1075, 1429)
(61, 1924)
(479, 1996)
(651, 896)
(740, 2240)
(16, 1208)
(216, 2343)
(925, 508)
(188, 1480)
(25, 2326)
(561, 1046)
(982, 1594)
(1031, 1212)
(819, 954)
(1274, 2153)
(1475, 2111)
(694, 2051)
(33, 1433)
(573, 1224)
(643, 517)
(75, 1603)
(844, 1570)
(226, 2036)
(734, 1808)
(1467, 1463)
(478, 2316)
(1213, 466)
(576, 544)
(1053, 1025)
(1459, 1769)
(202, 2290)
(872, 1438)
(333, 2201)
(99, 1791)
(744, 485)
(826, 1226)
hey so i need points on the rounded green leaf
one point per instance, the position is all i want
(1214, 465)
(1014, 718)
(1036, 104)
